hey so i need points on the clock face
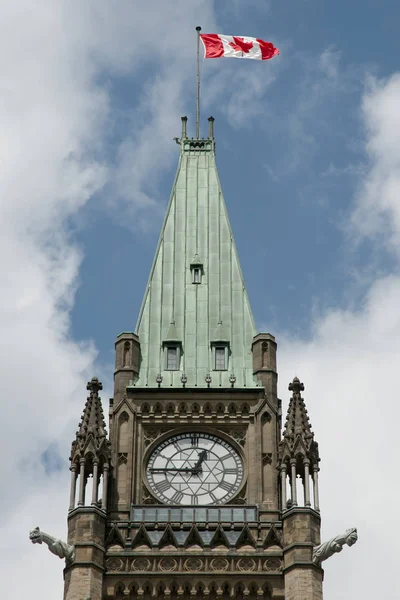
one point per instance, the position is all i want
(194, 468)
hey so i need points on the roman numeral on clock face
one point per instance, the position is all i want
(177, 497)
(163, 485)
(226, 486)
(225, 457)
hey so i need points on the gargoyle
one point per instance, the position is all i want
(327, 549)
(56, 546)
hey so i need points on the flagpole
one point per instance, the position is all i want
(198, 29)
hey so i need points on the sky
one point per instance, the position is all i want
(308, 151)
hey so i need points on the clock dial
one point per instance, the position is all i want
(194, 468)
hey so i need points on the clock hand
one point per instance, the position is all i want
(197, 467)
(175, 470)
(194, 470)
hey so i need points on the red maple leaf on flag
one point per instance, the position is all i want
(240, 45)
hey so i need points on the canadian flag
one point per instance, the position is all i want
(232, 46)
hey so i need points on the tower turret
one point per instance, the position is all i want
(298, 451)
(90, 458)
(299, 457)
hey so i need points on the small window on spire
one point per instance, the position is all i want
(172, 358)
(196, 268)
(220, 348)
(172, 348)
(220, 358)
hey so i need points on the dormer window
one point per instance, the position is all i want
(172, 346)
(196, 268)
(172, 358)
(220, 358)
(196, 275)
(220, 348)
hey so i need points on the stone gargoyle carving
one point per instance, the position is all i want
(327, 549)
(56, 546)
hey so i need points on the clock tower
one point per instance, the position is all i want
(202, 496)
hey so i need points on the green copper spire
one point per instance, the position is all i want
(196, 318)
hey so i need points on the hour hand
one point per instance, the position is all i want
(201, 459)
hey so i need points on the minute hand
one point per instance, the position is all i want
(174, 470)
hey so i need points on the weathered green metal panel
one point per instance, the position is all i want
(196, 223)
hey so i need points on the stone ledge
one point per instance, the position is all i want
(84, 563)
(89, 543)
(298, 545)
(158, 553)
(200, 574)
(301, 510)
(302, 564)
(87, 510)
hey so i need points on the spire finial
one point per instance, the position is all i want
(94, 385)
(184, 123)
(296, 386)
(211, 127)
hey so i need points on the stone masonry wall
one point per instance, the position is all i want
(303, 584)
(82, 583)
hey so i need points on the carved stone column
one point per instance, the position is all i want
(81, 500)
(95, 487)
(283, 486)
(293, 481)
(307, 501)
(73, 486)
(315, 486)
(105, 486)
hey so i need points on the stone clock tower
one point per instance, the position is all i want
(196, 494)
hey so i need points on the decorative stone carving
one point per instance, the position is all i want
(239, 435)
(147, 498)
(273, 564)
(114, 564)
(150, 435)
(56, 546)
(327, 549)
(240, 499)
(168, 564)
(122, 458)
(219, 564)
(193, 564)
(267, 458)
(141, 564)
(246, 564)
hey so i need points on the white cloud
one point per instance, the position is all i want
(244, 87)
(377, 212)
(55, 116)
(349, 367)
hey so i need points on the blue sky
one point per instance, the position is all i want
(308, 154)
(289, 155)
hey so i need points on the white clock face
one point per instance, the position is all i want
(194, 468)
